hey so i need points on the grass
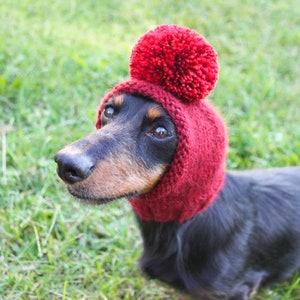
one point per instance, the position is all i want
(57, 58)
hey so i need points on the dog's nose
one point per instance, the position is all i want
(73, 168)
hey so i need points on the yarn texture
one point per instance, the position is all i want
(177, 59)
(175, 67)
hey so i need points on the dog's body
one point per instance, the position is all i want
(249, 236)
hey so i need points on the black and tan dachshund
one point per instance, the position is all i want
(249, 236)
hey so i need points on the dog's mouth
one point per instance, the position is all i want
(85, 194)
(83, 197)
(115, 178)
(81, 194)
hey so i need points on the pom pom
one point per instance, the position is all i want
(178, 59)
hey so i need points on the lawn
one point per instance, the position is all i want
(57, 59)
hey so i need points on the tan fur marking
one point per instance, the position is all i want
(116, 177)
(119, 100)
(154, 112)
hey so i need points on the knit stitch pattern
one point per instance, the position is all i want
(178, 59)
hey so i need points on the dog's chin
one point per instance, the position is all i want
(93, 201)
(89, 199)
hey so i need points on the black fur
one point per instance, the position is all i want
(250, 236)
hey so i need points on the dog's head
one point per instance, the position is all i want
(155, 121)
(126, 157)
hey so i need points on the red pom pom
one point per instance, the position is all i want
(178, 59)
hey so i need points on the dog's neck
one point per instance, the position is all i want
(167, 242)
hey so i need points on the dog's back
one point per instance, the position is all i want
(250, 236)
(275, 198)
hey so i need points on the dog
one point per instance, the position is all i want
(247, 238)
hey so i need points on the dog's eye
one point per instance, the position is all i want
(109, 112)
(159, 132)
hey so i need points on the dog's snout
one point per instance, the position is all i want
(73, 168)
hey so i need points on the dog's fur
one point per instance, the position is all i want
(250, 235)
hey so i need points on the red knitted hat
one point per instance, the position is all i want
(175, 67)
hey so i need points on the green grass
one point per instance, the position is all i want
(57, 58)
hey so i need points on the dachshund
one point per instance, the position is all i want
(247, 238)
